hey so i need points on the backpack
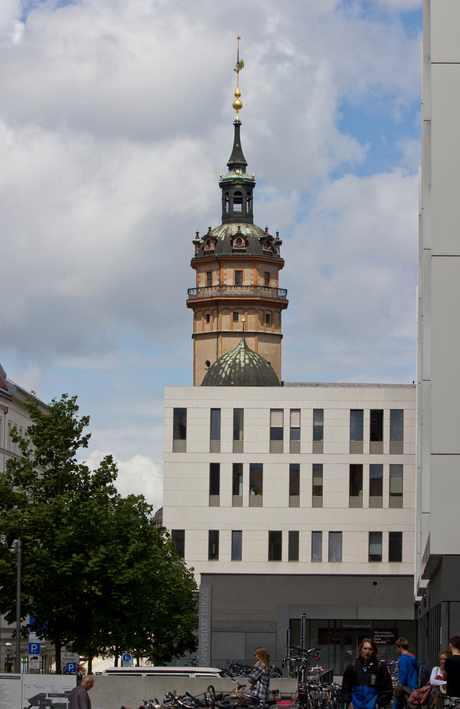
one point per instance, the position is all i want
(423, 675)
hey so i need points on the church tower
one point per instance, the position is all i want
(237, 268)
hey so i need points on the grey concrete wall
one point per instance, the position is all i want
(113, 692)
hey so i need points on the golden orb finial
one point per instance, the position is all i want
(237, 104)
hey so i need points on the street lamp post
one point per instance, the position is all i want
(15, 545)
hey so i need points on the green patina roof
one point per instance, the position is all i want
(241, 367)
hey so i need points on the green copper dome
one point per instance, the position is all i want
(242, 367)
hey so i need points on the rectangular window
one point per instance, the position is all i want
(317, 480)
(215, 424)
(209, 278)
(179, 430)
(316, 546)
(294, 479)
(213, 545)
(274, 546)
(375, 480)
(376, 431)
(356, 480)
(335, 547)
(237, 481)
(395, 546)
(235, 316)
(238, 278)
(356, 430)
(214, 479)
(267, 279)
(276, 430)
(396, 485)
(375, 546)
(255, 479)
(318, 424)
(295, 425)
(397, 431)
(293, 549)
(238, 424)
(268, 318)
(178, 539)
(180, 424)
(237, 545)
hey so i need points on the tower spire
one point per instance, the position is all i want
(237, 104)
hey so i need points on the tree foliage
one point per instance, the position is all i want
(95, 569)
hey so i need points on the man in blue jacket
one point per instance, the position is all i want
(366, 681)
(408, 669)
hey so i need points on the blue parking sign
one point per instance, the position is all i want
(71, 668)
(34, 648)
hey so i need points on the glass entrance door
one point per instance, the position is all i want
(350, 641)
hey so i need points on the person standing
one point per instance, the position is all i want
(366, 681)
(79, 698)
(451, 670)
(260, 676)
(408, 679)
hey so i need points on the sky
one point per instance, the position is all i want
(115, 122)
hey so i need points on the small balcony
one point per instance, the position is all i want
(237, 292)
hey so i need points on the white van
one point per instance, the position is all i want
(152, 671)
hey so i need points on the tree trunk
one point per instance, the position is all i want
(138, 660)
(57, 650)
(116, 658)
(90, 663)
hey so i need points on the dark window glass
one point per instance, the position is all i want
(274, 546)
(295, 424)
(375, 546)
(317, 480)
(268, 318)
(180, 424)
(395, 546)
(238, 424)
(214, 478)
(215, 424)
(318, 421)
(237, 545)
(267, 279)
(178, 539)
(294, 479)
(209, 278)
(237, 482)
(238, 202)
(316, 546)
(213, 545)
(255, 478)
(356, 480)
(207, 318)
(335, 546)
(376, 431)
(238, 278)
(235, 316)
(356, 424)
(276, 424)
(376, 480)
(293, 551)
(396, 480)
(397, 425)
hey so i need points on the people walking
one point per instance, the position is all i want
(366, 681)
(260, 676)
(408, 677)
(451, 670)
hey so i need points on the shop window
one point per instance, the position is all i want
(237, 545)
(213, 545)
(335, 547)
(356, 485)
(375, 546)
(356, 430)
(178, 539)
(179, 430)
(397, 431)
(318, 430)
(293, 546)
(316, 546)
(395, 546)
(274, 546)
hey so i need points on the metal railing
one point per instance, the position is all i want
(237, 292)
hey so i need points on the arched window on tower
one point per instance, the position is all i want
(237, 202)
(248, 202)
(226, 203)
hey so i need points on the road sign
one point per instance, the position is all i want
(126, 658)
(34, 662)
(71, 668)
(69, 656)
(34, 648)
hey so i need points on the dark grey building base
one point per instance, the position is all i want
(249, 610)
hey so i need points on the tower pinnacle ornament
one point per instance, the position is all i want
(237, 104)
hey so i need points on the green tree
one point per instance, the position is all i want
(95, 569)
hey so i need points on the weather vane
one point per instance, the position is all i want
(237, 104)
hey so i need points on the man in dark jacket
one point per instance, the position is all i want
(79, 695)
(366, 681)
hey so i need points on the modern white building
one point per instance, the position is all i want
(438, 423)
